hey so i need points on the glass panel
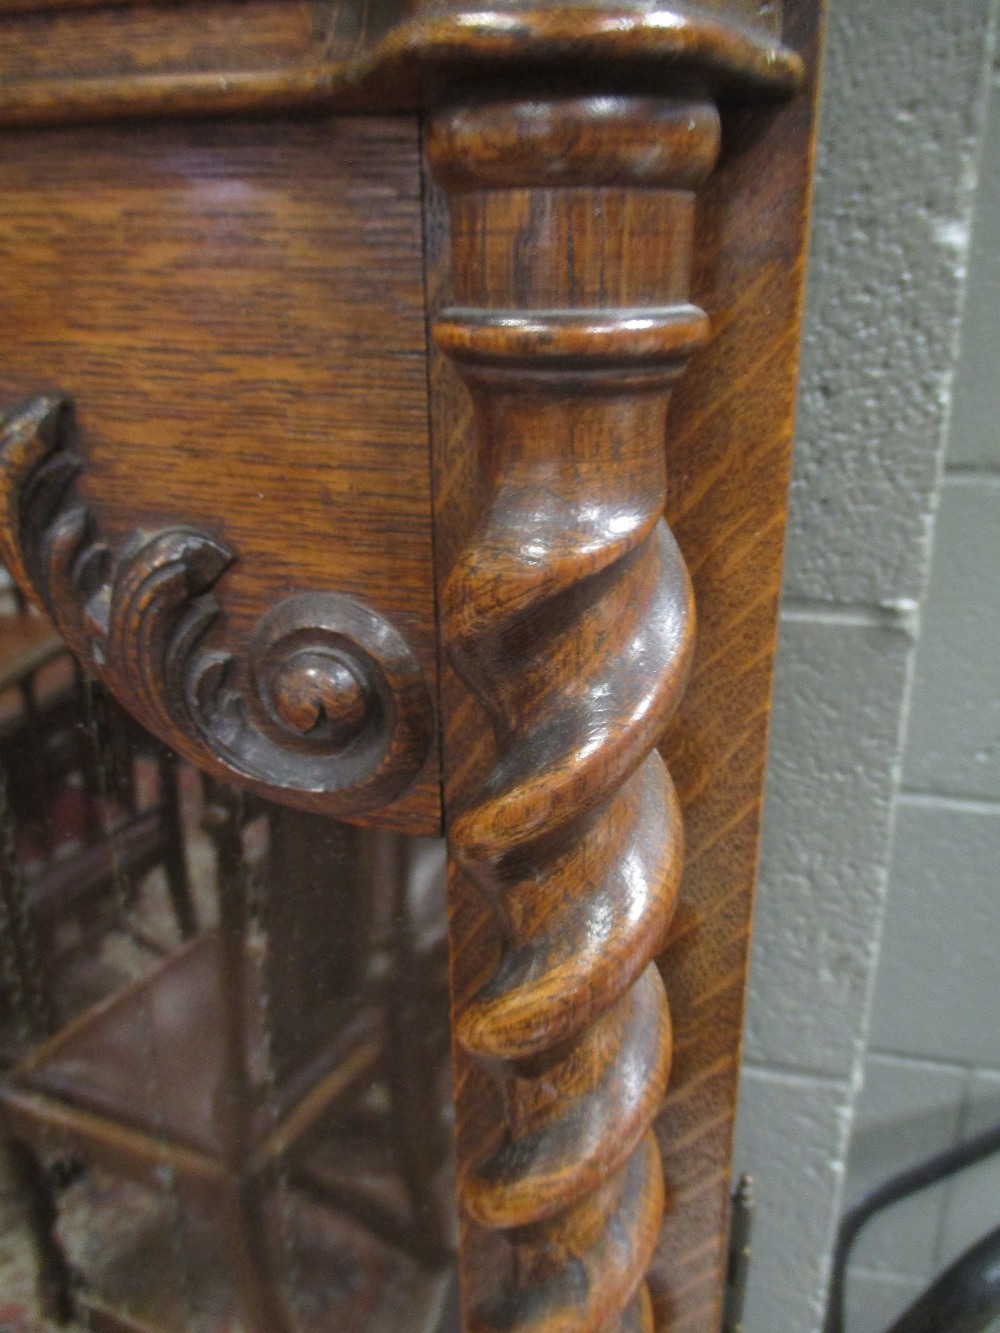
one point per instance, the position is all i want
(224, 1038)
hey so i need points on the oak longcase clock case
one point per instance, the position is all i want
(395, 419)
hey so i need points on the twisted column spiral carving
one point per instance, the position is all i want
(328, 707)
(569, 616)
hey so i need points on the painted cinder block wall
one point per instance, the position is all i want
(932, 1069)
(901, 135)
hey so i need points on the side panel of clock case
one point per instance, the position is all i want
(236, 311)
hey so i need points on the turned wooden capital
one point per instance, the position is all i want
(568, 613)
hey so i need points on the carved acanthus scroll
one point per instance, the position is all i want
(329, 709)
(569, 616)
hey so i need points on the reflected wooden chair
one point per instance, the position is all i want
(384, 1155)
(77, 834)
(223, 1114)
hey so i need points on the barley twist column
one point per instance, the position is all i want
(569, 616)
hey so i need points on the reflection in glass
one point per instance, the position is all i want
(225, 1082)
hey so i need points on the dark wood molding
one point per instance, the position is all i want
(157, 59)
(329, 711)
(567, 615)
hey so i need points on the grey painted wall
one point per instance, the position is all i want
(902, 122)
(932, 1071)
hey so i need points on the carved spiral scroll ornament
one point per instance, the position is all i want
(569, 616)
(329, 710)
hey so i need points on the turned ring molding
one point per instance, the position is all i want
(327, 709)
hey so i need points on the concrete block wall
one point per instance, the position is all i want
(902, 122)
(932, 1071)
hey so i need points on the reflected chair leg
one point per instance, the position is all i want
(415, 1114)
(55, 1277)
(416, 1132)
(257, 1281)
(174, 852)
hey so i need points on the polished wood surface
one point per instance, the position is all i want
(100, 61)
(237, 313)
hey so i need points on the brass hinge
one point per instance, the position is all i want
(738, 1264)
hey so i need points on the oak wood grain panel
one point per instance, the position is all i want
(237, 312)
(219, 35)
(102, 62)
(728, 452)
